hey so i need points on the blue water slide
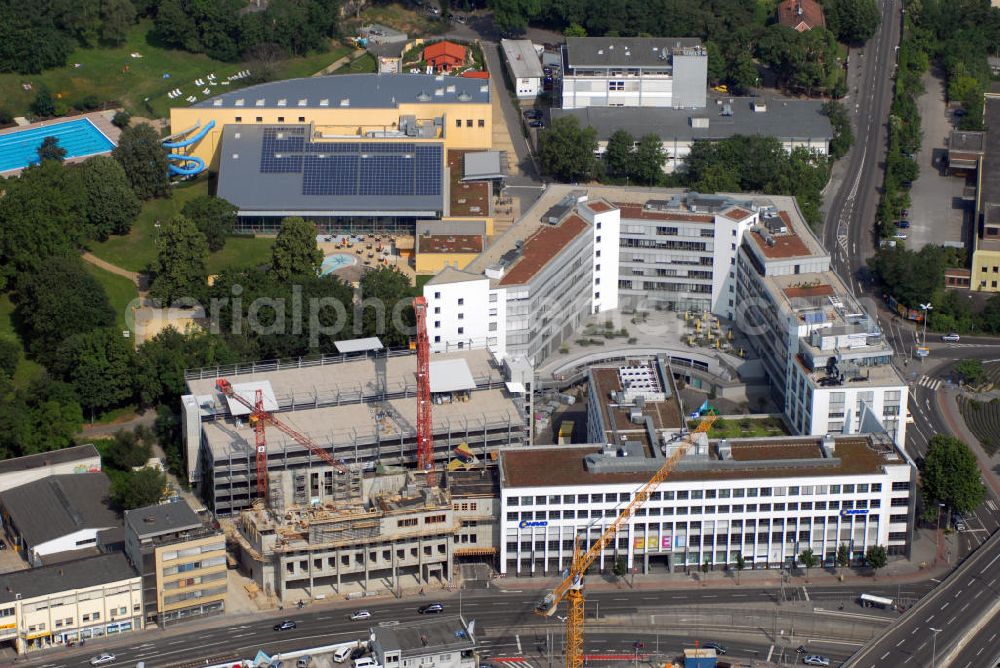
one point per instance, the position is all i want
(199, 164)
(192, 139)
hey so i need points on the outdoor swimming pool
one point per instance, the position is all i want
(79, 137)
(332, 263)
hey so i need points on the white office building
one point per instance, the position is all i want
(524, 67)
(634, 72)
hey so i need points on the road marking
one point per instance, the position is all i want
(517, 639)
(978, 593)
(714, 596)
(619, 599)
(962, 609)
(959, 592)
(992, 506)
(929, 619)
(882, 658)
(900, 642)
(945, 605)
(245, 635)
(951, 620)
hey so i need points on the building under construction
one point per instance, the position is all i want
(361, 409)
(390, 532)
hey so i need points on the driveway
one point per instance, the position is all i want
(938, 216)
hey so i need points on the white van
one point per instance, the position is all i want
(366, 662)
(341, 654)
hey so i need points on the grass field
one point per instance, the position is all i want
(119, 289)
(26, 369)
(744, 427)
(102, 73)
(241, 252)
(364, 64)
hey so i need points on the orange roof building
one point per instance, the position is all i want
(801, 15)
(443, 56)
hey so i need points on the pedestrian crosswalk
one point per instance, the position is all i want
(930, 383)
(511, 661)
(991, 505)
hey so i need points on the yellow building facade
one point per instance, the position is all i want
(190, 572)
(375, 107)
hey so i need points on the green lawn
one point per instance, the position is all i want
(364, 64)
(744, 427)
(120, 290)
(26, 369)
(102, 73)
(241, 252)
(137, 249)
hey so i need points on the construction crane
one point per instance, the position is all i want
(259, 418)
(425, 434)
(571, 588)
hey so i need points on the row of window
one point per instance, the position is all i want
(359, 558)
(193, 551)
(468, 122)
(695, 494)
(862, 504)
(688, 541)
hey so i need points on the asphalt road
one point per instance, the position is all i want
(499, 616)
(983, 649)
(943, 618)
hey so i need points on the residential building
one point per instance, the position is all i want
(801, 15)
(634, 72)
(61, 517)
(361, 410)
(19, 471)
(443, 642)
(766, 500)
(524, 67)
(986, 250)
(795, 123)
(387, 532)
(827, 361)
(182, 560)
(79, 600)
(444, 56)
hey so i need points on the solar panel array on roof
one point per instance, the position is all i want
(352, 168)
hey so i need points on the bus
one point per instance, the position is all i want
(871, 601)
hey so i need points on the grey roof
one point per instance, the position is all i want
(43, 459)
(522, 58)
(625, 51)
(966, 141)
(60, 505)
(373, 91)
(387, 49)
(67, 576)
(284, 192)
(160, 519)
(785, 119)
(452, 275)
(482, 165)
(425, 636)
(991, 154)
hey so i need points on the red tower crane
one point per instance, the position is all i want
(259, 418)
(425, 436)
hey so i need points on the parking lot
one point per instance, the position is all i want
(938, 215)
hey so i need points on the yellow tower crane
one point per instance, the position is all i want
(571, 588)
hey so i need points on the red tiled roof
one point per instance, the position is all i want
(635, 211)
(448, 51)
(599, 206)
(811, 15)
(541, 247)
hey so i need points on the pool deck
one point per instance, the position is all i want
(100, 119)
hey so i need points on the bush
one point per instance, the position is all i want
(89, 103)
(6, 118)
(121, 119)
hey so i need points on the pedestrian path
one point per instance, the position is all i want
(930, 383)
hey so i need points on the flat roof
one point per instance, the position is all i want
(559, 466)
(359, 90)
(783, 119)
(482, 165)
(52, 458)
(425, 636)
(451, 376)
(478, 483)
(652, 52)
(795, 242)
(665, 414)
(369, 344)
(990, 177)
(278, 170)
(449, 243)
(639, 212)
(522, 58)
(966, 141)
(161, 519)
(466, 198)
(59, 505)
(248, 391)
(79, 574)
(542, 246)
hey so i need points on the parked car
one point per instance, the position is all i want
(815, 660)
(286, 625)
(537, 123)
(361, 614)
(547, 71)
(303, 661)
(430, 609)
(903, 224)
(368, 662)
(532, 113)
(906, 185)
(102, 659)
(719, 649)
(958, 522)
(905, 213)
(358, 652)
(899, 235)
(951, 337)
(459, 19)
(909, 416)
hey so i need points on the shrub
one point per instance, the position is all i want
(121, 119)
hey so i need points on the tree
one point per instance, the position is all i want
(58, 301)
(179, 273)
(853, 21)
(566, 151)
(112, 205)
(51, 150)
(808, 559)
(10, 356)
(129, 449)
(575, 30)
(122, 119)
(387, 286)
(618, 154)
(649, 160)
(214, 217)
(911, 278)
(620, 567)
(43, 104)
(136, 489)
(162, 360)
(741, 564)
(100, 365)
(971, 371)
(843, 558)
(511, 16)
(42, 417)
(117, 16)
(144, 160)
(30, 41)
(950, 475)
(843, 135)
(876, 558)
(294, 252)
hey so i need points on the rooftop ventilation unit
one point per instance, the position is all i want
(325, 102)
(282, 103)
(464, 97)
(422, 96)
(239, 102)
(450, 88)
(346, 102)
(260, 102)
(303, 102)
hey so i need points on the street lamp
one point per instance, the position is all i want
(925, 308)
(934, 646)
